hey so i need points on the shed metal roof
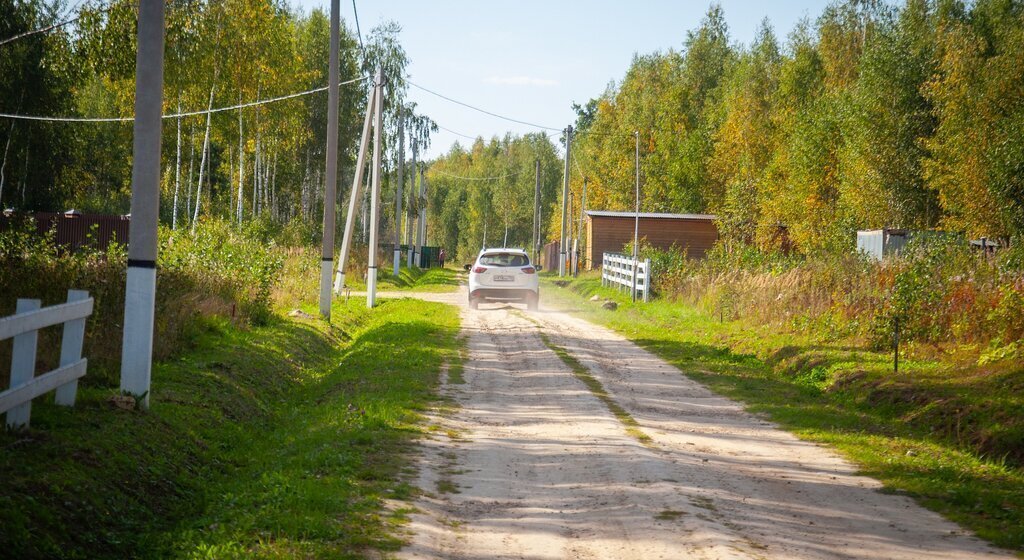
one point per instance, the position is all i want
(660, 215)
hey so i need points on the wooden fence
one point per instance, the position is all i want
(619, 269)
(24, 327)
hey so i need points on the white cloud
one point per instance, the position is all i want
(520, 81)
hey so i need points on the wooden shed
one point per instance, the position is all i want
(607, 232)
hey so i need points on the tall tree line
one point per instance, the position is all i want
(261, 162)
(871, 116)
(484, 194)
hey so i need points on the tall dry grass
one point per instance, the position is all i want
(939, 291)
(216, 271)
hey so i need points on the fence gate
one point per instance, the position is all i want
(24, 327)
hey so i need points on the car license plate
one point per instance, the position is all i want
(502, 278)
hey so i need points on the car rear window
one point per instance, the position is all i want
(504, 259)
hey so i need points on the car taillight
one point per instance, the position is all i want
(479, 269)
(528, 270)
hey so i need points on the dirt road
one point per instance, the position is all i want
(532, 464)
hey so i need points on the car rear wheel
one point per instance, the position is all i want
(474, 303)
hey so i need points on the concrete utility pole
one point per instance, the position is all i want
(565, 200)
(579, 230)
(331, 170)
(568, 237)
(411, 218)
(422, 233)
(636, 219)
(536, 212)
(355, 195)
(398, 195)
(378, 135)
(140, 287)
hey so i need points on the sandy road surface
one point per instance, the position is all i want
(532, 465)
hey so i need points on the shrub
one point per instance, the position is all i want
(216, 271)
(939, 289)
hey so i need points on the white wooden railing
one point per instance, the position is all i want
(24, 327)
(618, 269)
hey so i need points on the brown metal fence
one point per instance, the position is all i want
(549, 256)
(74, 230)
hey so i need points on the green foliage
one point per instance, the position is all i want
(462, 207)
(939, 291)
(949, 435)
(240, 265)
(871, 116)
(268, 442)
(217, 271)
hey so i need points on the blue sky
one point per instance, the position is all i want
(531, 59)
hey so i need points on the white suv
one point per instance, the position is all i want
(503, 275)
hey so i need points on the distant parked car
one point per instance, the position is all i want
(504, 275)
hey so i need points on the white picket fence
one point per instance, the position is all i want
(618, 269)
(24, 327)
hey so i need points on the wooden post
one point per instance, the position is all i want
(647, 280)
(71, 350)
(23, 365)
(896, 345)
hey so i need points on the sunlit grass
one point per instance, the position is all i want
(411, 279)
(276, 442)
(922, 433)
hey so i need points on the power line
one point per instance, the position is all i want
(359, 33)
(484, 111)
(453, 176)
(52, 26)
(457, 133)
(177, 115)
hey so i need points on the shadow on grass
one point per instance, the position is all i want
(316, 479)
(872, 420)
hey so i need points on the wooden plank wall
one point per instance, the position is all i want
(608, 234)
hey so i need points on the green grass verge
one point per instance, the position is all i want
(276, 442)
(924, 433)
(412, 280)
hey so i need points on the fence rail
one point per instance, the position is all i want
(24, 327)
(619, 269)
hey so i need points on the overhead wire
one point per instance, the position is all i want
(453, 176)
(52, 26)
(458, 133)
(179, 115)
(484, 111)
(359, 33)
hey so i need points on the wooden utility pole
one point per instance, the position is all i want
(140, 288)
(331, 170)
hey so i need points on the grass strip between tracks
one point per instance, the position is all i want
(594, 385)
